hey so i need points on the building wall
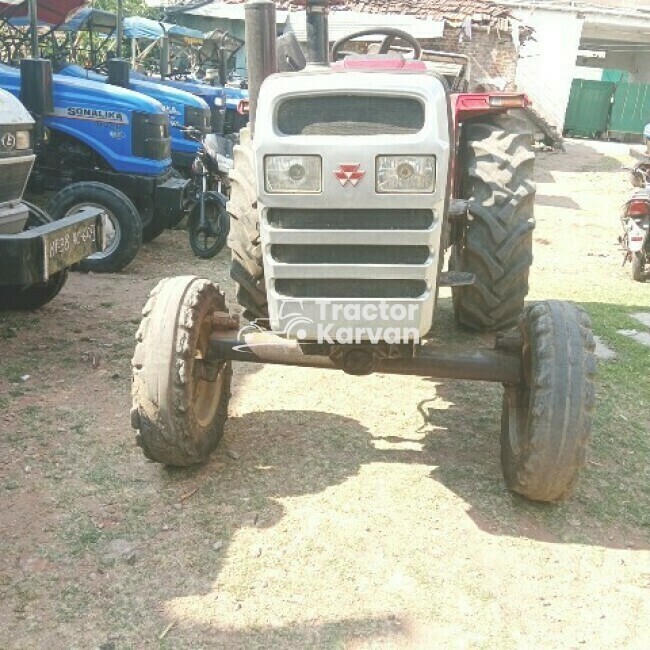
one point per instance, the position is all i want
(492, 55)
(637, 63)
(547, 64)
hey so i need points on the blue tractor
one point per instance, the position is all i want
(111, 143)
(191, 61)
(116, 139)
(186, 110)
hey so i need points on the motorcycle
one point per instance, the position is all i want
(636, 225)
(208, 220)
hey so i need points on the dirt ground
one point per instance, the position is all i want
(338, 512)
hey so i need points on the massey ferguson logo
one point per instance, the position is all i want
(349, 173)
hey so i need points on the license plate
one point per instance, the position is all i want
(70, 240)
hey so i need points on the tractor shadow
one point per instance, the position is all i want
(577, 158)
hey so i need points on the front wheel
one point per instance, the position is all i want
(122, 223)
(36, 295)
(546, 420)
(180, 394)
(209, 238)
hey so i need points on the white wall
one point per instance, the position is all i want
(636, 62)
(583, 72)
(547, 65)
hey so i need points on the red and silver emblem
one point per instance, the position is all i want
(349, 173)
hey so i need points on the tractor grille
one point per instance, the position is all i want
(349, 253)
(350, 115)
(14, 178)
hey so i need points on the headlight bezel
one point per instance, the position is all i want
(397, 165)
(281, 164)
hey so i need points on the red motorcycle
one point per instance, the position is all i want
(636, 224)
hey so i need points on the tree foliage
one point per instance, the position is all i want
(131, 8)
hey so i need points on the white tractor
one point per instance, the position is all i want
(354, 180)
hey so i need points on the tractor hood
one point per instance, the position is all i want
(170, 98)
(70, 93)
(12, 111)
(212, 95)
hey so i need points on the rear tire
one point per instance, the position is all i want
(497, 243)
(122, 221)
(638, 267)
(246, 267)
(546, 421)
(179, 412)
(37, 295)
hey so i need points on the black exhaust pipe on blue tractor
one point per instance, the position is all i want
(36, 92)
(261, 36)
(119, 69)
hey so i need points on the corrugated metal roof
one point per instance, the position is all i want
(341, 23)
(453, 11)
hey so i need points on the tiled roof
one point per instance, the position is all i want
(454, 11)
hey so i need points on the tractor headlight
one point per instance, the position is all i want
(23, 140)
(293, 174)
(414, 174)
(219, 101)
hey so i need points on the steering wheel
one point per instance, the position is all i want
(391, 35)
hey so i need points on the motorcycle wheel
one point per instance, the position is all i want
(638, 267)
(208, 240)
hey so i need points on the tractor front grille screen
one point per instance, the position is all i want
(350, 115)
(14, 178)
(406, 258)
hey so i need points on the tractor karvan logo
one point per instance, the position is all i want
(349, 173)
(92, 114)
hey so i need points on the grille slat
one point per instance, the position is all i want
(350, 115)
(296, 219)
(352, 288)
(288, 254)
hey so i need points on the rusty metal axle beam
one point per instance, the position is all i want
(501, 366)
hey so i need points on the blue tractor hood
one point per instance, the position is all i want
(184, 109)
(98, 115)
(212, 95)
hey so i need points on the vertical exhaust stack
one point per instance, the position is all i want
(260, 49)
(119, 69)
(318, 46)
(36, 91)
(164, 56)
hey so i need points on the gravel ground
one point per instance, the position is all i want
(338, 512)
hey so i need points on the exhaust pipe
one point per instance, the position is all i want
(318, 47)
(260, 49)
(119, 69)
